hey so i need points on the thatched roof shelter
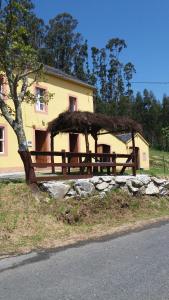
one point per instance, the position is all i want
(91, 123)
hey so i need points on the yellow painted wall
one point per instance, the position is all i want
(118, 146)
(143, 151)
(33, 120)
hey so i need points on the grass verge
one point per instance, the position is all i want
(26, 224)
(159, 163)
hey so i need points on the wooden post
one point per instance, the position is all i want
(95, 169)
(87, 141)
(137, 158)
(52, 150)
(64, 169)
(114, 161)
(89, 160)
(134, 153)
(96, 138)
(81, 168)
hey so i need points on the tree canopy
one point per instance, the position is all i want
(18, 61)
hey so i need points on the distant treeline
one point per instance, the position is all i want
(148, 111)
(60, 45)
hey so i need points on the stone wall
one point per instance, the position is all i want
(81, 188)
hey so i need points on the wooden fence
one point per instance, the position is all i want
(87, 164)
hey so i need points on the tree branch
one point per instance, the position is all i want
(24, 88)
(31, 72)
(6, 113)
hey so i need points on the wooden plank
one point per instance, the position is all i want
(86, 164)
(78, 154)
(46, 153)
(52, 150)
(114, 161)
(64, 164)
(62, 177)
(134, 153)
(124, 165)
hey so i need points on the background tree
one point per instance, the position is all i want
(18, 61)
(115, 82)
(129, 71)
(65, 48)
(80, 62)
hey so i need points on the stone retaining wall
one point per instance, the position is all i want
(81, 188)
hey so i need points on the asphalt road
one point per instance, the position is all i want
(131, 267)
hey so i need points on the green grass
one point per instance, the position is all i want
(26, 224)
(159, 163)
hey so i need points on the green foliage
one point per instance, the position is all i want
(21, 33)
(64, 47)
(17, 54)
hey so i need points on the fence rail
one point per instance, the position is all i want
(87, 163)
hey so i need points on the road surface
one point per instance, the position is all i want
(131, 267)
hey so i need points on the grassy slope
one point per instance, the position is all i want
(26, 224)
(159, 162)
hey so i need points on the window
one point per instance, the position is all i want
(2, 140)
(40, 105)
(72, 104)
(1, 86)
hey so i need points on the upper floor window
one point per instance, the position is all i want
(40, 105)
(2, 140)
(1, 84)
(72, 104)
(1, 87)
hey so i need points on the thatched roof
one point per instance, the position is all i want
(80, 122)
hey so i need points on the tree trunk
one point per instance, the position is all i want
(29, 169)
(25, 155)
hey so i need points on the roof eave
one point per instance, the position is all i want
(140, 137)
(66, 78)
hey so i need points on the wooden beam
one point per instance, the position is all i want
(52, 150)
(87, 141)
(134, 153)
(95, 170)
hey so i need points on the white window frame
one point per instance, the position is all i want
(40, 105)
(2, 140)
(1, 86)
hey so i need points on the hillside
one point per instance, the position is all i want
(159, 162)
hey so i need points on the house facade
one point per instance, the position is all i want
(122, 143)
(69, 93)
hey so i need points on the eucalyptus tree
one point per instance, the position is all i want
(63, 43)
(129, 71)
(115, 80)
(103, 74)
(80, 62)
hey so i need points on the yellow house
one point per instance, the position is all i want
(122, 143)
(141, 145)
(69, 94)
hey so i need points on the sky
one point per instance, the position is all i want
(143, 24)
